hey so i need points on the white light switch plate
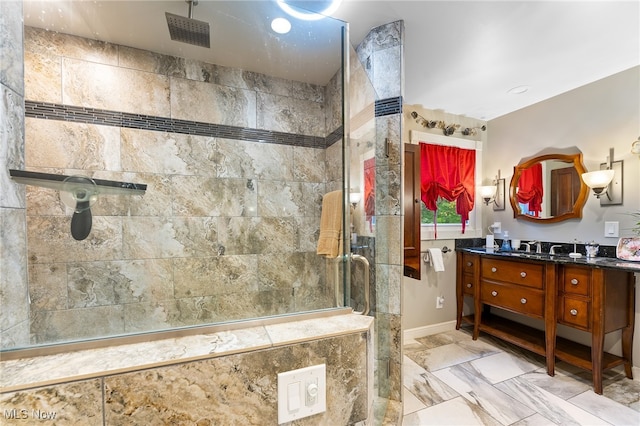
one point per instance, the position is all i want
(612, 229)
(302, 393)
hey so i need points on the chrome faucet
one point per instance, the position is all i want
(527, 247)
(538, 246)
(553, 248)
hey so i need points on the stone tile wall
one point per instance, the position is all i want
(234, 389)
(14, 308)
(381, 55)
(227, 227)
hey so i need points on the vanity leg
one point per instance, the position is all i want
(477, 317)
(597, 348)
(627, 332)
(459, 293)
(597, 332)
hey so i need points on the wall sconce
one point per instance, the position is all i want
(447, 129)
(606, 181)
(635, 146)
(494, 193)
(488, 193)
(354, 198)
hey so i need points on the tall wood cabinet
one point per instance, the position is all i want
(594, 300)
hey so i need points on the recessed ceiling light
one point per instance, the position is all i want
(518, 90)
(300, 11)
(281, 25)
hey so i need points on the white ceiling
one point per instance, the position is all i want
(461, 57)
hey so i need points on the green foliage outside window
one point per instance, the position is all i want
(446, 212)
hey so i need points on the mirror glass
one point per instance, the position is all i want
(548, 188)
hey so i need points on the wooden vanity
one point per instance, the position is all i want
(597, 298)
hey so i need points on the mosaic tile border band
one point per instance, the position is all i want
(51, 111)
(389, 106)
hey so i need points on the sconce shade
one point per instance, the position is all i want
(354, 197)
(598, 180)
(488, 191)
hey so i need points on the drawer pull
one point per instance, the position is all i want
(468, 285)
(573, 312)
(469, 263)
(574, 281)
(523, 274)
(523, 300)
(494, 293)
(494, 269)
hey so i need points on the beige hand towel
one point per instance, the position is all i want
(330, 241)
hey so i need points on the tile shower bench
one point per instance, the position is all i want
(89, 385)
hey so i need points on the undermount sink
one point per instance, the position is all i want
(528, 255)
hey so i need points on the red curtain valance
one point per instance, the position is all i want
(448, 172)
(530, 188)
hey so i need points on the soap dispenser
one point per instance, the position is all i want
(506, 245)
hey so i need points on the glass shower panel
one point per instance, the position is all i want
(237, 145)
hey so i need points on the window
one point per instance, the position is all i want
(449, 223)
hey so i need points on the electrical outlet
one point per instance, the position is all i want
(496, 227)
(439, 302)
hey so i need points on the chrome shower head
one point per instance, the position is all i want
(188, 30)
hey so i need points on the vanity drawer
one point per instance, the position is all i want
(468, 284)
(576, 280)
(525, 274)
(515, 298)
(468, 263)
(574, 312)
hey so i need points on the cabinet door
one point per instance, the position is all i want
(412, 211)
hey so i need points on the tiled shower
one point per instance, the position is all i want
(227, 227)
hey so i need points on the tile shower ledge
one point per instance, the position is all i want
(26, 373)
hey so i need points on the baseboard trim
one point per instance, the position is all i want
(428, 330)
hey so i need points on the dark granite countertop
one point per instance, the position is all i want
(596, 262)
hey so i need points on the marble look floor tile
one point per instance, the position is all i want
(425, 386)
(606, 409)
(556, 409)
(478, 347)
(457, 411)
(500, 405)
(410, 402)
(625, 391)
(501, 366)
(534, 420)
(566, 398)
(442, 356)
(562, 385)
(440, 339)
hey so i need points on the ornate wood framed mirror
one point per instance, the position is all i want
(548, 188)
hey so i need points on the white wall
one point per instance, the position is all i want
(419, 296)
(601, 115)
(593, 118)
